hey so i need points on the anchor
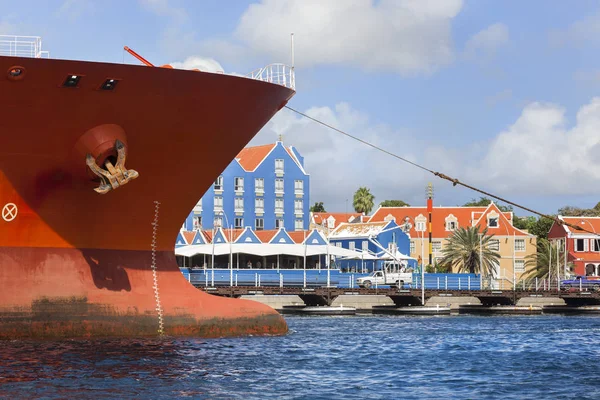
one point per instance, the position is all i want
(113, 176)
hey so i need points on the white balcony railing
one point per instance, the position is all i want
(279, 74)
(22, 46)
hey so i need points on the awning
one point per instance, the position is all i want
(266, 249)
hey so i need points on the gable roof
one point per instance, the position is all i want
(247, 236)
(199, 238)
(180, 241)
(464, 216)
(298, 236)
(266, 236)
(290, 151)
(281, 237)
(251, 157)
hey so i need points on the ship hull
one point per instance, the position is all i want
(74, 262)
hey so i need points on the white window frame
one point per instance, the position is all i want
(218, 221)
(259, 226)
(218, 184)
(585, 245)
(218, 203)
(299, 187)
(421, 226)
(197, 222)
(279, 165)
(413, 247)
(279, 223)
(365, 245)
(351, 245)
(298, 206)
(239, 204)
(436, 246)
(449, 226)
(279, 187)
(494, 245)
(299, 224)
(259, 205)
(238, 184)
(259, 185)
(519, 266)
(279, 205)
(595, 245)
(497, 219)
(338, 244)
(520, 245)
(241, 222)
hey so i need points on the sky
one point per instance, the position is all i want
(503, 95)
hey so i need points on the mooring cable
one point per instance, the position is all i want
(444, 176)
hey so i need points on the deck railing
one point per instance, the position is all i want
(22, 46)
(279, 74)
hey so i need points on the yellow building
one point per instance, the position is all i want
(513, 244)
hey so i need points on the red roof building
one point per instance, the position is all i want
(583, 245)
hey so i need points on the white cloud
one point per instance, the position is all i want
(539, 154)
(586, 30)
(164, 8)
(201, 63)
(339, 165)
(405, 36)
(484, 44)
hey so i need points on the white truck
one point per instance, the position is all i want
(378, 278)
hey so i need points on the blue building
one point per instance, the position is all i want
(264, 187)
(379, 239)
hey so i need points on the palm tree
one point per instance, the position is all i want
(363, 200)
(542, 264)
(462, 252)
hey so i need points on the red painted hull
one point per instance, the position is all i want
(75, 263)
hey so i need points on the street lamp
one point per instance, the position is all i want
(222, 213)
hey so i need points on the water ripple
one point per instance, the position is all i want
(325, 358)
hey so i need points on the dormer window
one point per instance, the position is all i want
(331, 222)
(493, 222)
(451, 223)
(420, 223)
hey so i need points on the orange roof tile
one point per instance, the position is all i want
(298, 236)
(591, 224)
(251, 157)
(266, 236)
(584, 256)
(189, 236)
(465, 217)
(321, 217)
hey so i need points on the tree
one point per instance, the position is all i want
(394, 203)
(571, 211)
(541, 227)
(525, 223)
(363, 200)
(318, 207)
(542, 264)
(462, 251)
(484, 202)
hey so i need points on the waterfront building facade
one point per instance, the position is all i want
(582, 248)
(384, 238)
(327, 222)
(263, 188)
(513, 244)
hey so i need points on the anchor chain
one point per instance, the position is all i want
(113, 176)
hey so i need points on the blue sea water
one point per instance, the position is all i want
(359, 357)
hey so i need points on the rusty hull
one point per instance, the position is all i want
(78, 263)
